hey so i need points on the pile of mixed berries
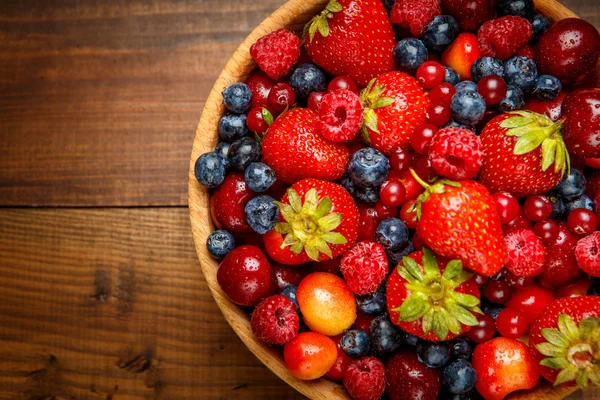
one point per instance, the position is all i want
(407, 198)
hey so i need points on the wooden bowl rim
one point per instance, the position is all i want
(237, 69)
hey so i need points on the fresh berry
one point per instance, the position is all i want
(227, 204)
(232, 127)
(539, 25)
(291, 292)
(365, 195)
(526, 51)
(421, 138)
(521, 8)
(568, 50)
(440, 33)
(470, 14)
(533, 161)
(547, 87)
(455, 153)
(438, 114)
(386, 337)
(372, 303)
(511, 323)
(485, 66)
(508, 207)
(451, 76)
(260, 85)
(400, 160)
(342, 82)
(276, 52)
(237, 97)
(526, 253)
(503, 36)
(275, 320)
(285, 149)
(319, 222)
(368, 222)
(262, 214)
(459, 377)
(340, 116)
(350, 39)
(582, 221)
(314, 101)
(409, 54)
(484, 330)
(257, 119)
(430, 74)
(364, 267)
(259, 177)
(409, 379)
(327, 303)
(514, 99)
(467, 107)
(558, 207)
(461, 54)
(503, 365)
(546, 230)
(331, 266)
(244, 152)
(433, 354)
(518, 282)
(365, 379)
(219, 243)
(209, 170)
(551, 108)
(492, 88)
(497, 291)
(530, 301)
(572, 185)
(307, 78)
(222, 148)
(392, 193)
(310, 355)
(582, 127)
(587, 253)
(368, 167)
(561, 266)
(564, 341)
(461, 348)
(336, 372)
(281, 97)
(392, 233)
(520, 72)
(466, 86)
(581, 202)
(395, 105)
(521, 222)
(355, 343)
(395, 256)
(442, 93)
(246, 276)
(537, 208)
(415, 15)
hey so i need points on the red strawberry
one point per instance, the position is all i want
(432, 298)
(460, 220)
(503, 36)
(565, 341)
(227, 204)
(469, 14)
(409, 379)
(461, 54)
(318, 221)
(294, 149)
(518, 152)
(582, 127)
(415, 14)
(276, 53)
(395, 105)
(352, 38)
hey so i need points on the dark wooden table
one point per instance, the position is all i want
(101, 294)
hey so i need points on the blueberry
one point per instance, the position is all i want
(262, 214)
(409, 54)
(467, 107)
(290, 292)
(368, 167)
(594, 289)
(539, 25)
(558, 207)
(433, 354)
(451, 76)
(385, 336)
(210, 170)
(308, 78)
(237, 97)
(572, 185)
(410, 340)
(259, 177)
(453, 124)
(219, 243)
(372, 303)
(366, 195)
(459, 376)
(392, 233)
(485, 66)
(355, 343)
(514, 100)
(581, 202)
(493, 310)
(395, 256)
(462, 348)
(222, 148)
(440, 33)
(232, 127)
(521, 72)
(521, 8)
(547, 87)
(466, 86)
(244, 152)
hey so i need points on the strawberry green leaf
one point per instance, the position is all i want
(334, 6)
(568, 327)
(413, 268)
(555, 362)
(383, 102)
(334, 238)
(323, 27)
(413, 308)
(453, 268)
(551, 350)
(430, 265)
(548, 152)
(321, 245)
(529, 142)
(440, 326)
(582, 378)
(466, 300)
(312, 30)
(330, 221)
(371, 121)
(427, 323)
(555, 337)
(566, 375)
(267, 116)
(323, 208)
(465, 317)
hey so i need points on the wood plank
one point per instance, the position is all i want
(100, 99)
(112, 302)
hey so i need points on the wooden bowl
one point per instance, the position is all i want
(294, 14)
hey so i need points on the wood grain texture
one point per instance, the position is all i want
(111, 304)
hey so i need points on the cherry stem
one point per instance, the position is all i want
(418, 179)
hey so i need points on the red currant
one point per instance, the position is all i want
(442, 94)
(531, 301)
(511, 323)
(255, 121)
(484, 330)
(430, 74)
(438, 114)
(507, 205)
(546, 230)
(342, 82)
(392, 193)
(281, 96)
(593, 162)
(417, 242)
(481, 279)
(314, 100)
(582, 221)
(537, 208)
(422, 136)
(518, 282)
(384, 211)
(497, 291)
(413, 188)
(422, 167)
(492, 88)
(368, 220)
(400, 160)
(409, 217)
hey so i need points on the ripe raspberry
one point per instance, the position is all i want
(340, 116)
(502, 37)
(275, 320)
(526, 253)
(364, 267)
(456, 153)
(415, 14)
(587, 253)
(276, 53)
(365, 379)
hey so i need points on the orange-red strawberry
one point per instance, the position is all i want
(394, 106)
(295, 150)
(459, 220)
(318, 220)
(565, 341)
(523, 153)
(432, 298)
(352, 38)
